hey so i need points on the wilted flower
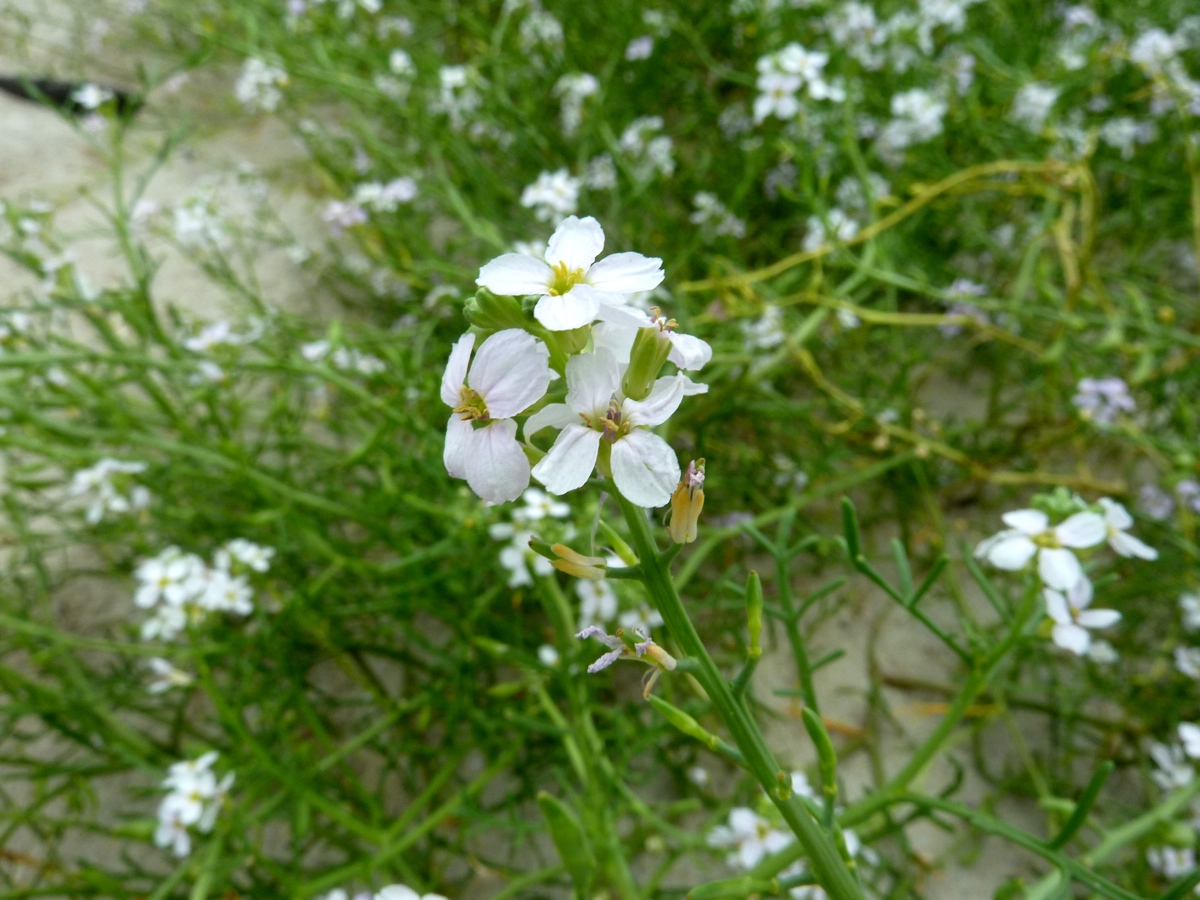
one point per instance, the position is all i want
(621, 646)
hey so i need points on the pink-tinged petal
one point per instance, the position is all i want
(497, 468)
(645, 468)
(1116, 515)
(1098, 618)
(570, 461)
(592, 379)
(576, 243)
(1008, 550)
(552, 415)
(689, 352)
(1027, 521)
(574, 309)
(1085, 529)
(1128, 545)
(511, 372)
(456, 369)
(660, 404)
(1056, 606)
(615, 337)
(626, 273)
(1071, 637)
(1059, 568)
(515, 275)
(458, 435)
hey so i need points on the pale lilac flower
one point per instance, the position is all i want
(1103, 399)
(343, 214)
(574, 289)
(639, 48)
(644, 467)
(1029, 534)
(1188, 492)
(1119, 521)
(1072, 617)
(749, 838)
(1156, 502)
(509, 373)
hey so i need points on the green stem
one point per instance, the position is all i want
(826, 863)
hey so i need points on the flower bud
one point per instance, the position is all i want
(754, 614)
(650, 350)
(686, 503)
(489, 313)
(575, 563)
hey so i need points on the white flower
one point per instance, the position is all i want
(1119, 522)
(260, 85)
(1153, 49)
(776, 96)
(91, 96)
(1103, 399)
(1172, 862)
(510, 372)
(1189, 734)
(1102, 653)
(573, 286)
(597, 602)
(714, 219)
(172, 832)
(96, 482)
(572, 90)
(643, 619)
(643, 465)
(173, 577)
(1172, 768)
(226, 593)
(401, 63)
(386, 197)
(254, 556)
(547, 656)
(1030, 534)
(539, 505)
(749, 837)
(1189, 606)
(1072, 618)
(1032, 105)
(552, 196)
(841, 227)
(166, 676)
(765, 332)
(1187, 661)
(400, 892)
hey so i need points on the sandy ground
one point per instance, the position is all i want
(44, 158)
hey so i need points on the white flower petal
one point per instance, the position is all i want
(1116, 515)
(458, 434)
(570, 461)
(626, 273)
(552, 415)
(645, 468)
(576, 242)
(616, 336)
(1085, 529)
(515, 275)
(592, 379)
(496, 466)
(397, 892)
(1009, 550)
(456, 369)
(1098, 618)
(660, 404)
(1028, 521)
(1056, 606)
(1079, 595)
(1071, 637)
(511, 372)
(574, 309)
(1059, 568)
(1189, 733)
(1128, 545)
(689, 352)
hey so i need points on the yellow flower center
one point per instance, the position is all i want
(1047, 539)
(564, 279)
(470, 405)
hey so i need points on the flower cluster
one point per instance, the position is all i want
(260, 85)
(180, 588)
(347, 359)
(1067, 590)
(1103, 399)
(194, 798)
(108, 489)
(782, 75)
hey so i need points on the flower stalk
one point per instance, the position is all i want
(825, 860)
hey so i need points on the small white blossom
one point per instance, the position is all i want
(166, 676)
(260, 85)
(1172, 862)
(1029, 534)
(400, 892)
(509, 373)
(1072, 617)
(91, 96)
(104, 487)
(1103, 399)
(597, 602)
(714, 220)
(548, 656)
(639, 48)
(1172, 769)
(1189, 607)
(1032, 104)
(749, 837)
(552, 196)
(572, 90)
(1187, 661)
